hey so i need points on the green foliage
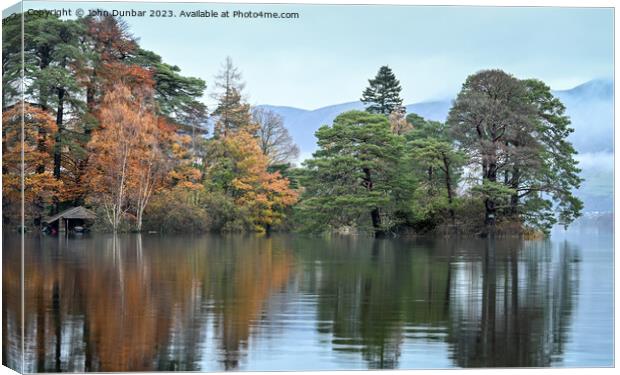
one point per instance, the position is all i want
(438, 167)
(353, 173)
(176, 94)
(515, 132)
(225, 215)
(383, 94)
(499, 192)
(557, 177)
(176, 211)
(232, 112)
(371, 172)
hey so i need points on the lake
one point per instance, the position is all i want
(289, 302)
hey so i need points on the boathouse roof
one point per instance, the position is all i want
(72, 213)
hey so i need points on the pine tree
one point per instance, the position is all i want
(515, 132)
(383, 94)
(232, 112)
(353, 178)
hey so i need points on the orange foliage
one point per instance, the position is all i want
(40, 186)
(264, 194)
(185, 175)
(123, 152)
(111, 37)
(129, 303)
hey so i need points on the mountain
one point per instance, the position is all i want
(589, 105)
(591, 109)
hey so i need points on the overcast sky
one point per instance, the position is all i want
(326, 56)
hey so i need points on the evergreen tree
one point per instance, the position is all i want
(556, 175)
(177, 96)
(515, 132)
(55, 62)
(383, 94)
(438, 165)
(232, 112)
(354, 177)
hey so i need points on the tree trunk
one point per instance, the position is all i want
(446, 165)
(376, 222)
(514, 198)
(375, 215)
(490, 211)
(489, 204)
(139, 220)
(58, 146)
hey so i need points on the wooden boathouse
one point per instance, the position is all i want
(66, 220)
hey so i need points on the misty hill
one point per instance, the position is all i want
(589, 105)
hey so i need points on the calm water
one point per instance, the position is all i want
(100, 303)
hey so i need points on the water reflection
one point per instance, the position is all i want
(517, 306)
(131, 303)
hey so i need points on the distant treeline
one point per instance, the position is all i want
(110, 126)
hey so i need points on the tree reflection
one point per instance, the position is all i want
(109, 305)
(129, 303)
(525, 306)
(496, 303)
(374, 291)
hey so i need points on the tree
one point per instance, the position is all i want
(54, 64)
(117, 163)
(152, 165)
(39, 185)
(237, 173)
(232, 112)
(177, 96)
(557, 176)
(488, 112)
(383, 94)
(354, 176)
(111, 42)
(442, 163)
(11, 61)
(274, 139)
(438, 164)
(515, 132)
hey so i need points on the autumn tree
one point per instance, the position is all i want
(177, 205)
(237, 173)
(122, 154)
(274, 138)
(382, 96)
(111, 42)
(232, 113)
(152, 165)
(37, 145)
